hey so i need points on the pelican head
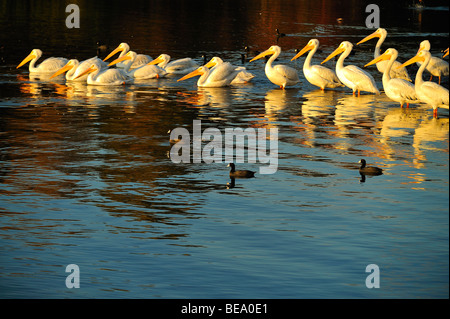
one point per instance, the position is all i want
(94, 67)
(200, 71)
(421, 56)
(424, 45)
(163, 58)
(379, 33)
(213, 62)
(35, 54)
(131, 55)
(69, 65)
(344, 46)
(274, 49)
(313, 43)
(385, 56)
(123, 47)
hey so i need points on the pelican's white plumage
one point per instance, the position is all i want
(350, 75)
(243, 76)
(428, 92)
(141, 73)
(317, 75)
(123, 48)
(49, 65)
(281, 75)
(436, 66)
(396, 89)
(396, 72)
(220, 76)
(75, 68)
(180, 66)
(97, 76)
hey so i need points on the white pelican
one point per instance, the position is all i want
(436, 66)
(123, 48)
(49, 65)
(280, 75)
(316, 74)
(220, 76)
(74, 68)
(352, 76)
(242, 77)
(144, 72)
(180, 66)
(396, 72)
(396, 89)
(428, 92)
(98, 76)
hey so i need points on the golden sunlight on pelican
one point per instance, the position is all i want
(436, 66)
(401, 73)
(241, 78)
(49, 65)
(428, 92)
(220, 76)
(73, 68)
(141, 73)
(316, 74)
(123, 48)
(97, 76)
(280, 75)
(352, 76)
(396, 89)
(180, 66)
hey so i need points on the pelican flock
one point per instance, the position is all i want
(396, 83)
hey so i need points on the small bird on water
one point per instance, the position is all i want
(369, 170)
(240, 173)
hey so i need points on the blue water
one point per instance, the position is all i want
(86, 180)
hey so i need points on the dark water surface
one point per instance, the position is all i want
(85, 176)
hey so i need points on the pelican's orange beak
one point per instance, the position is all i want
(384, 56)
(125, 57)
(65, 68)
(305, 49)
(156, 61)
(30, 57)
(446, 53)
(116, 50)
(262, 54)
(417, 58)
(90, 69)
(339, 50)
(192, 74)
(370, 36)
(211, 63)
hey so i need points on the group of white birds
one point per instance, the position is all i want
(397, 84)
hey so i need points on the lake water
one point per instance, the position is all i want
(85, 176)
